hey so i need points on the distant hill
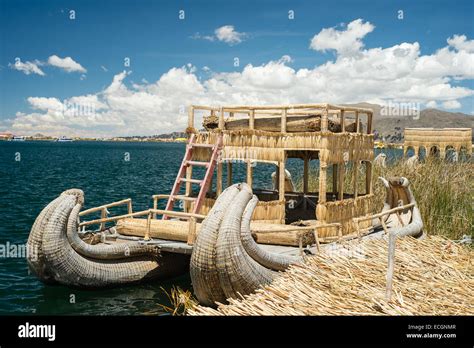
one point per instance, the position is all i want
(172, 135)
(391, 127)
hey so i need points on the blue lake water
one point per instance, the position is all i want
(34, 173)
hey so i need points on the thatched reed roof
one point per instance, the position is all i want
(433, 276)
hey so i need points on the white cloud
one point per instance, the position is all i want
(343, 41)
(41, 103)
(397, 73)
(104, 68)
(67, 64)
(451, 104)
(226, 33)
(461, 43)
(28, 67)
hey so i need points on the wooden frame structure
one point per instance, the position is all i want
(252, 142)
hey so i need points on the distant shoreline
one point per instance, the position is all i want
(108, 140)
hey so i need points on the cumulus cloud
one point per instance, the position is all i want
(346, 41)
(461, 43)
(226, 33)
(397, 73)
(28, 67)
(67, 64)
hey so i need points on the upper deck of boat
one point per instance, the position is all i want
(270, 133)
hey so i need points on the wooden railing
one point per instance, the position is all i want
(157, 198)
(380, 215)
(253, 111)
(104, 211)
(150, 213)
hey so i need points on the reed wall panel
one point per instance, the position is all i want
(343, 212)
(268, 146)
(270, 211)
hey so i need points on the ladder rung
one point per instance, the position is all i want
(197, 163)
(210, 146)
(194, 181)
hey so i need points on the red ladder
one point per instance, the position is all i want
(204, 183)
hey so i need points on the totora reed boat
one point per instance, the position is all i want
(233, 237)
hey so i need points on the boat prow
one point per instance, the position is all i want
(62, 256)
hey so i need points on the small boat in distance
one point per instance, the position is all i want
(18, 138)
(63, 139)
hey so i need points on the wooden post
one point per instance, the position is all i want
(103, 215)
(229, 174)
(334, 179)
(221, 119)
(316, 238)
(219, 178)
(148, 223)
(368, 177)
(343, 122)
(340, 176)
(191, 117)
(369, 123)
(249, 173)
(129, 206)
(305, 172)
(252, 119)
(322, 181)
(356, 177)
(324, 120)
(357, 122)
(191, 230)
(155, 206)
(392, 238)
(281, 187)
(283, 121)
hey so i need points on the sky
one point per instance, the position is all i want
(112, 68)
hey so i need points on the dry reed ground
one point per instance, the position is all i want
(433, 276)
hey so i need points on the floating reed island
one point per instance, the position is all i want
(234, 237)
(433, 276)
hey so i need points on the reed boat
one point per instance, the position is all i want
(232, 237)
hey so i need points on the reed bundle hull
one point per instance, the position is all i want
(63, 257)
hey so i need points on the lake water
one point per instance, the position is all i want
(34, 173)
